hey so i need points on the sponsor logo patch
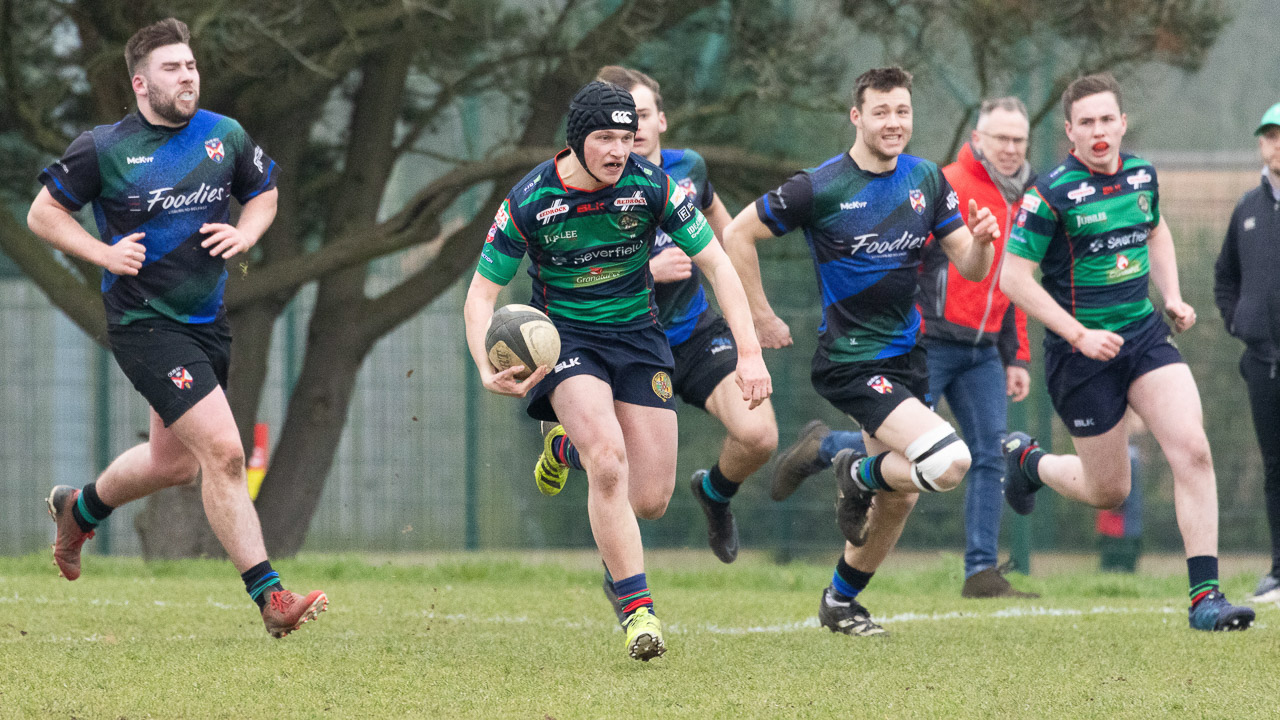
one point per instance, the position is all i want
(1030, 203)
(140, 160)
(853, 205)
(917, 201)
(1250, 223)
(566, 235)
(566, 364)
(556, 209)
(1144, 204)
(597, 275)
(195, 200)
(953, 201)
(1082, 422)
(257, 159)
(880, 384)
(1082, 220)
(661, 385)
(1138, 179)
(636, 200)
(1082, 192)
(621, 116)
(721, 344)
(181, 378)
(213, 147)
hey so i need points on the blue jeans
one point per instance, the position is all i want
(972, 380)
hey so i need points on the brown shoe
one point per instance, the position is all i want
(286, 611)
(990, 583)
(69, 539)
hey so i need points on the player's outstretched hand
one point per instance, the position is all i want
(225, 240)
(753, 379)
(505, 383)
(773, 332)
(1099, 344)
(670, 265)
(1182, 315)
(125, 257)
(982, 224)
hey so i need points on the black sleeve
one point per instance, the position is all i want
(787, 207)
(1226, 273)
(1007, 340)
(74, 181)
(255, 172)
(707, 197)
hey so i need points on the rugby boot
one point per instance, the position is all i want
(798, 462)
(722, 528)
(991, 583)
(852, 502)
(1268, 590)
(644, 635)
(69, 538)
(548, 473)
(1019, 488)
(846, 616)
(1213, 613)
(287, 611)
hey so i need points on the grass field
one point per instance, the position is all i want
(531, 636)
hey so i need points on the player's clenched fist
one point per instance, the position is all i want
(125, 257)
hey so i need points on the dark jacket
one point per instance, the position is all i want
(1246, 285)
(963, 311)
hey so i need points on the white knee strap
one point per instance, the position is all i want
(933, 453)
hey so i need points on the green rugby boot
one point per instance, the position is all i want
(644, 635)
(548, 473)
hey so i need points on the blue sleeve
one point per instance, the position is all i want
(788, 206)
(74, 180)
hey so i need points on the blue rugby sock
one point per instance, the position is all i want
(88, 510)
(848, 581)
(260, 581)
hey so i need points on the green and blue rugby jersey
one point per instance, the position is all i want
(682, 302)
(165, 182)
(866, 232)
(589, 250)
(1089, 233)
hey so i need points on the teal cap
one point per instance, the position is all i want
(1271, 117)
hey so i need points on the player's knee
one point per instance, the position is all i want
(650, 508)
(178, 472)
(606, 465)
(939, 459)
(759, 440)
(1110, 498)
(225, 460)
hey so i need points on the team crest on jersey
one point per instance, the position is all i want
(181, 378)
(214, 148)
(1082, 192)
(1122, 263)
(917, 201)
(662, 385)
(880, 384)
(689, 189)
(1143, 203)
(628, 222)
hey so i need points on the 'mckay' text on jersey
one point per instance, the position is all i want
(1089, 233)
(589, 250)
(866, 232)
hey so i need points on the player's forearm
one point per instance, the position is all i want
(737, 312)
(976, 262)
(257, 215)
(476, 311)
(1164, 264)
(58, 228)
(741, 249)
(1023, 290)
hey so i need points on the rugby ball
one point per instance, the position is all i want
(521, 335)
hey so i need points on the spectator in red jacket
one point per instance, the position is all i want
(976, 342)
(976, 338)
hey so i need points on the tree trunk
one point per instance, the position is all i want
(313, 427)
